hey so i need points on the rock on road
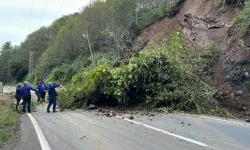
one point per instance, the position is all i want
(80, 130)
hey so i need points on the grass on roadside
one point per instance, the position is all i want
(8, 121)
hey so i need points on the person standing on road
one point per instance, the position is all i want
(39, 90)
(26, 95)
(18, 95)
(43, 92)
(52, 96)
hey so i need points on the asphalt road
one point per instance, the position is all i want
(80, 130)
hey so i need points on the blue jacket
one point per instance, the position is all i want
(52, 90)
(18, 92)
(44, 87)
(25, 90)
(39, 87)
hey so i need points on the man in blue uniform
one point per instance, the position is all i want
(52, 96)
(18, 95)
(39, 90)
(26, 95)
(43, 91)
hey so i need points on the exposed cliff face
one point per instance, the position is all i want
(205, 24)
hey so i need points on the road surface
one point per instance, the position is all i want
(83, 130)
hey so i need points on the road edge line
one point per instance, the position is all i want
(166, 132)
(224, 120)
(43, 142)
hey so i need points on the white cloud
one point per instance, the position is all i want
(15, 16)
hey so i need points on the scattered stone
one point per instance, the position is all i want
(238, 93)
(189, 124)
(131, 117)
(244, 108)
(182, 122)
(151, 119)
(232, 95)
(113, 114)
(131, 122)
(152, 115)
(247, 120)
(92, 107)
(99, 110)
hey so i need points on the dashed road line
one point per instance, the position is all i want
(43, 142)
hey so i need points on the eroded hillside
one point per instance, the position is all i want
(204, 23)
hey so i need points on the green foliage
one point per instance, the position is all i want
(148, 15)
(222, 3)
(243, 19)
(159, 76)
(112, 26)
(8, 120)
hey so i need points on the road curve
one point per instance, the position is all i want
(80, 130)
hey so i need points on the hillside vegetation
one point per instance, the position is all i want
(173, 73)
(111, 25)
(161, 76)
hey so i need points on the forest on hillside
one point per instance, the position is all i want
(101, 70)
(62, 49)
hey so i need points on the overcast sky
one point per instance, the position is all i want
(15, 16)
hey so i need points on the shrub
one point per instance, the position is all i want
(161, 76)
(167, 10)
(243, 19)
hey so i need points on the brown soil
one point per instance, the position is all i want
(204, 24)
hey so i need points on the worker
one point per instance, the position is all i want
(26, 95)
(43, 91)
(39, 90)
(18, 95)
(52, 96)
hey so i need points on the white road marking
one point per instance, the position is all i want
(223, 120)
(166, 132)
(43, 142)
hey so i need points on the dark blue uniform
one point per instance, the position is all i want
(18, 95)
(52, 97)
(26, 95)
(38, 92)
(43, 92)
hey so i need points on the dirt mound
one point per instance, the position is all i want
(205, 24)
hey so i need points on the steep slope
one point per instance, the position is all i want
(205, 24)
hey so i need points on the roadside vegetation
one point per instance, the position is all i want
(163, 76)
(8, 121)
(168, 75)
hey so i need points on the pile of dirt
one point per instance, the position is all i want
(205, 24)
